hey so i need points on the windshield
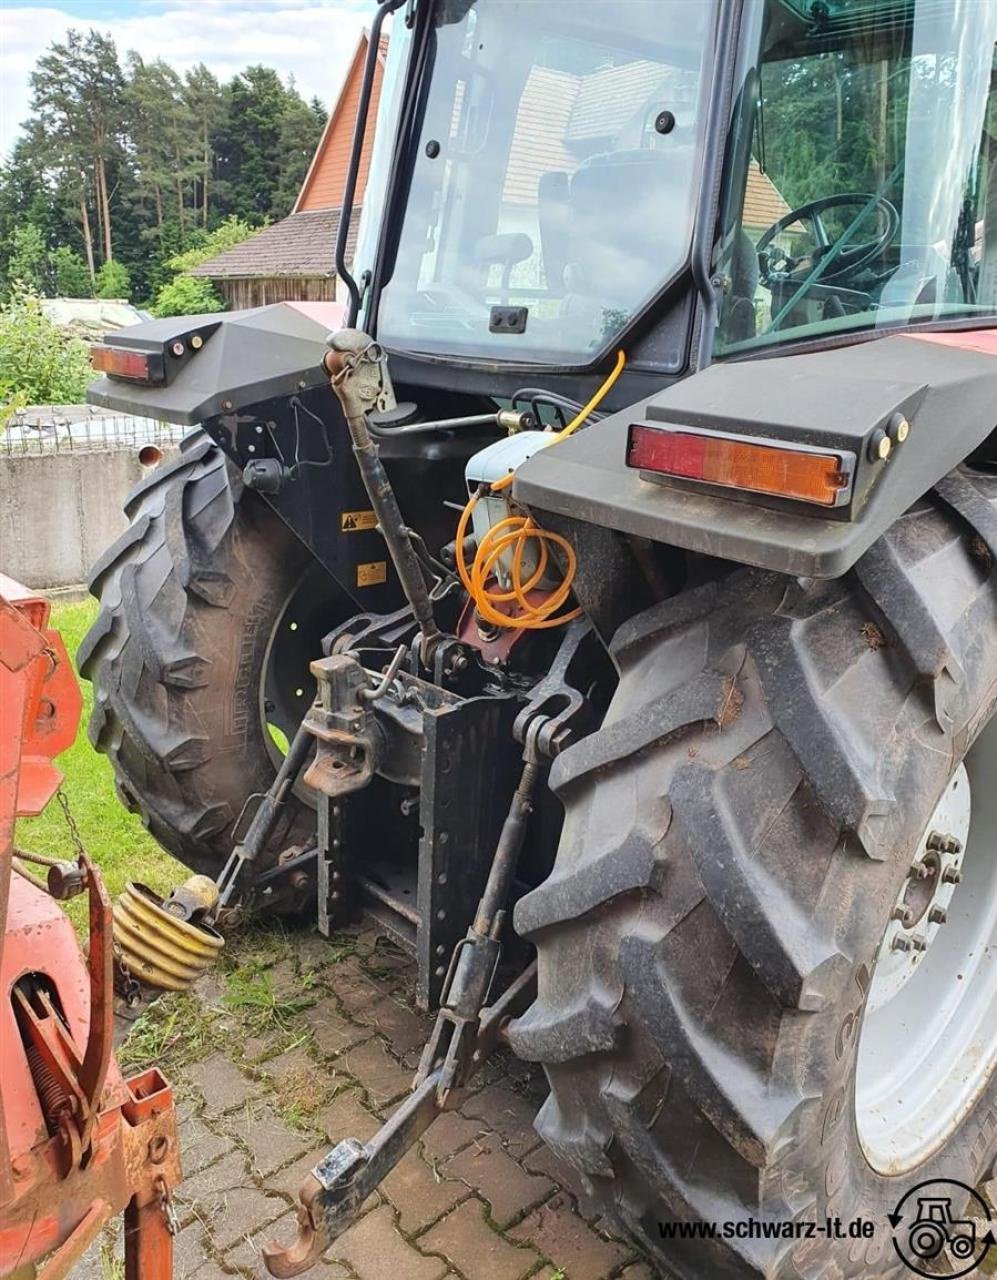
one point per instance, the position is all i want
(554, 177)
(861, 188)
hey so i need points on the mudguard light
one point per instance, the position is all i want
(123, 362)
(803, 474)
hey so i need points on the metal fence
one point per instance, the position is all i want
(83, 429)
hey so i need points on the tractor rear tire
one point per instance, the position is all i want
(189, 599)
(735, 838)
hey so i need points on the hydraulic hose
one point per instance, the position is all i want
(515, 534)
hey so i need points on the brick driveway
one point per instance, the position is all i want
(480, 1197)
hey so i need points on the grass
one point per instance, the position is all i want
(114, 838)
(174, 1031)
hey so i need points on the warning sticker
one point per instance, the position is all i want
(371, 575)
(352, 521)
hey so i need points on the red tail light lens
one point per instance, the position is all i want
(123, 362)
(806, 475)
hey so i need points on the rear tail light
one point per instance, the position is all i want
(124, 362)
(769, 466)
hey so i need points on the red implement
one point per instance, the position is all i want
(78, 1143)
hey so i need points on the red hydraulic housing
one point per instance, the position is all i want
(78, 1143)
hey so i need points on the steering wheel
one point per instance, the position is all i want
(780, 267)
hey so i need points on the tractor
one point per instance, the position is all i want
(602, 600)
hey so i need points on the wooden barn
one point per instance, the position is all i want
(293, 260)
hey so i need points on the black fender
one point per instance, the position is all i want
(944, 385)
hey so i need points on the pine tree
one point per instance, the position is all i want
(77, 94)
(300, 130)
(250, 156)
(207, 105)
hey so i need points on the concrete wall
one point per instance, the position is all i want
(59, 511)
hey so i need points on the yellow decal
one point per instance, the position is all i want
(352, 521)
(370, 575)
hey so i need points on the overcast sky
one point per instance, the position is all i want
(309, 39)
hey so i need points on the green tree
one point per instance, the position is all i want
(225, 236)
(29, 195)
(113, 280)
(187, 296)
(77, 91)
(300, 131)
(71, 277)
(250, 158)
(28, 264)
(208, 109)
(163, 135)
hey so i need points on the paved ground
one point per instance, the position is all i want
(298, 1044)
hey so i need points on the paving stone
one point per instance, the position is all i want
(232, 1214)
(210, 988)
(346, 1117)
(222, 1085)
(355, 990)
(289, 1180)
(312, 950)
(449, 1132)
(508, 1113)
(544, 1161)
(405, 1031)
(199, 1147)
(377, 1072)
(639, 1271)
(189, 1251)
(419, 1193)
(292, 1063)
(285, 981)
(389, 957)
(480, 1253)
(557, 1231)
(509, 1189)
(375, 1250)
(228, 1172)
(331, 1032)
(270, 1141)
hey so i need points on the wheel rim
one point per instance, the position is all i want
(928, 1041)
(312, 608)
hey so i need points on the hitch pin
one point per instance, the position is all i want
(386, 681)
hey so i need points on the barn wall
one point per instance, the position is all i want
(261, 291)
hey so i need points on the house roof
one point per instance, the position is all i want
(302, 244)
(327, 171)
(763, 202)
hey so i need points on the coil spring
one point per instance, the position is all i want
(54, 1099)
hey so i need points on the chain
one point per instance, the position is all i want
(165, 1202)
(125, 983)
(74, 831)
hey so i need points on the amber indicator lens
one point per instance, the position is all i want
(120, 362)
(737, 464)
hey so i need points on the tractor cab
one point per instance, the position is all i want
(552, 181)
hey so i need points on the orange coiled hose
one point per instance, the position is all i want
(514, 534)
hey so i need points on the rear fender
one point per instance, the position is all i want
(944, 384)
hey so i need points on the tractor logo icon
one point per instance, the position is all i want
(926, 1229)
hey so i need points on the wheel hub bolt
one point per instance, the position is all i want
(919, 943)
(952, 875)
(937, 915)
(901, 943)
(942, 842)
(921, 871)
(904, 915)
